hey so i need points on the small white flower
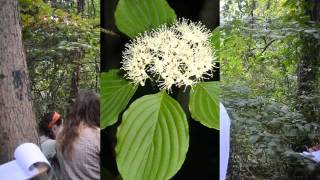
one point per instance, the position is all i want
(179, 55)
(55, 19)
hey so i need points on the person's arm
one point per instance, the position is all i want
(48, 148)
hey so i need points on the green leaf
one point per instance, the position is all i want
(215, 38)
(137, 16)
(204, 104)
(153, 138)
(115, 93)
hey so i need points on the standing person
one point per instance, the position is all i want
(78, 146)
(49, 127)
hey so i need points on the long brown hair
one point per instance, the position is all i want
(84, 111)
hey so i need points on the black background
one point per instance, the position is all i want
(202, 160)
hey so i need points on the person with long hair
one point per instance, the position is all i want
(78, 143)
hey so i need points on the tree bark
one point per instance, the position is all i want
(308, 69)
(17, 120)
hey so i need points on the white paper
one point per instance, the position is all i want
(23, 167)
(224, 141)
(314, 156)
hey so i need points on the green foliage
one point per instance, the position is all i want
(113, 89)
(265, 135)
(152, 139)
(262, 46)
(137, 16)
(204, 104)
(215, 39)
(63, 53)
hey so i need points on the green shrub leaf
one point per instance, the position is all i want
(115, 93)
(153, 138)
(215, 38)
(137, 16)
(204, 104)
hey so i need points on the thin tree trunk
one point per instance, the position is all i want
(93, 8)
(74, 83)
(80, 6)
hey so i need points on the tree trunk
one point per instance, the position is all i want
(80, 6)
(17, 120)
(74, 83)
(93, 8)
(308, 69)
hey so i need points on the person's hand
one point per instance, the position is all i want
(314, 148)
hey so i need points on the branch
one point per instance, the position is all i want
(266, 47)
(109, 32)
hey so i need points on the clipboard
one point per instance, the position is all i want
(29, 162)
(312, 156)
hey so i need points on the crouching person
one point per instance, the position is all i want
(49, 127)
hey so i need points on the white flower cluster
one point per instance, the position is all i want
(179, 55)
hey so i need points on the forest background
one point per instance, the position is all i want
(62, 43)
(49, 51)
(270, 75)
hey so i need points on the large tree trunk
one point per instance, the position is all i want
(17, 120)
(308, 68)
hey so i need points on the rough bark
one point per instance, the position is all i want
(308, 68)
(17, 120)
